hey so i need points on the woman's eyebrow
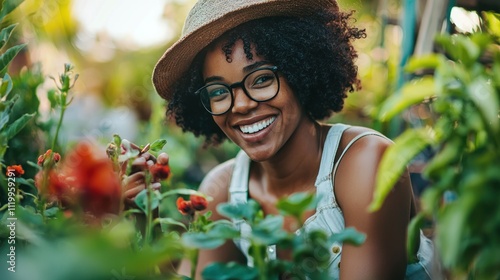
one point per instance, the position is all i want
(213, 79)
(255, 65)
(246, 69)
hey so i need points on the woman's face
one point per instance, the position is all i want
(261, 129)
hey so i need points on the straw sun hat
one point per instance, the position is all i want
(209, 19)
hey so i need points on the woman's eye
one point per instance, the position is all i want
(263, 80)
(218, 93)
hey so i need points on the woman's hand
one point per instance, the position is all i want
(135, 182)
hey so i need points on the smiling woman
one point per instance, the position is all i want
(263, 74)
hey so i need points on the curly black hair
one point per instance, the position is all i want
(315, 55)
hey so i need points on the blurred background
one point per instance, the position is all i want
(114, 45)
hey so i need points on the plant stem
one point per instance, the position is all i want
(194, 263)
(260, 262)
(54, 142)
(149, 210)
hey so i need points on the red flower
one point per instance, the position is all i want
(96, 184)
(46, 156)
(160, 171)
(16, 169)
(57, 186)
(85, 180)
(199, 202)
(185, 207)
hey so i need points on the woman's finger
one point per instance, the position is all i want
(163, 158)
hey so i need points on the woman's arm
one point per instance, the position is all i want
(215, 185)
(383, 255)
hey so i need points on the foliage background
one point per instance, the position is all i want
(114, 93)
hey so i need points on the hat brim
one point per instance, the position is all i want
(176, 60)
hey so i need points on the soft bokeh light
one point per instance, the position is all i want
(123, 20)
(465, 21)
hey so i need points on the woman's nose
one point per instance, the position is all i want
(242, 102)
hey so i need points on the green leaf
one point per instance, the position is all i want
(5, 34)
(296, 204)
(428, 61)
(7, 57)
(348, 235)
(482, 40)
(53, 97)
(395, 160)
(201, 240)
(211, 239)
(170, 221)
(8, 6)
(5, 114)
(413, 238)
(239, 211)
(460, 48)
(15, 127)
(412, 93)
(228, 271)
(451, 229)
(184, 192)
(157, 145)
(6, 86)
(486, 100)
(268, 231)
(141, 200)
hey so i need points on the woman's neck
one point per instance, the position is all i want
(295, 167)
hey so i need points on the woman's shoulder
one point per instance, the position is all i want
(216, 182)
(363, 139)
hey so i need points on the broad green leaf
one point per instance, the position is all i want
(348, 235)
(6, 86)
(211, 239)
(395, 160)
(296, 204)
(411, 94)
(486, 98)
(141, 200)
(158, 145)
(5, 34)
(428, 61)
(268, 231)
(7, 57)
(239, 211)
(228, 271)
(8, 6)
(14, 128)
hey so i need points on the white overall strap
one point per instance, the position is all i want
(351, 143)
(323, 190)
(238, 189)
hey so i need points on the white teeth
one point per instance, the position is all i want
(256, 127)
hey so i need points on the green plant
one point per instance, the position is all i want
(464, 96)
(306, 247)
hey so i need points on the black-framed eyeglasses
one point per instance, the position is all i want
(260, 85)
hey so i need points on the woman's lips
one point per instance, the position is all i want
(257, 126)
